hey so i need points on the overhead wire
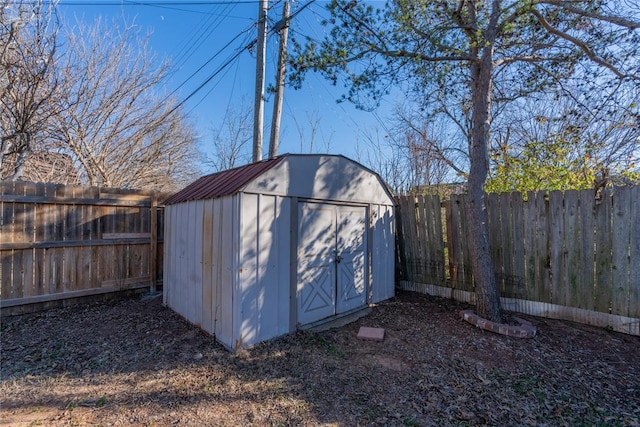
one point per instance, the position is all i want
(230, 61)
(140, 3)
(199, 36)
(215, 55)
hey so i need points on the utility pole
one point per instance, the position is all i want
(283, 27)
(258, 111)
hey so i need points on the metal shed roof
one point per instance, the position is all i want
(320, 176)
(223, 183)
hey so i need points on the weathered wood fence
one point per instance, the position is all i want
(59, 241)
(564, 255)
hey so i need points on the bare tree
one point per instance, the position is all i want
(119, 128)
(309, 133)
(231, 138)
(28, 33)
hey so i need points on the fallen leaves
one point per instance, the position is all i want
(137, 362)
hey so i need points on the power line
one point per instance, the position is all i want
(207, 63)
(211, 77)
(227, 63)
(142, 3)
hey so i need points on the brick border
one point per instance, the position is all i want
(523, 330)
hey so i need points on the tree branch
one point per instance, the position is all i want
(581, 45)
(606, 18)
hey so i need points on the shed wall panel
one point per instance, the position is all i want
(224, 268)
(195, 258)
(264, 264)
(168, 258)
(382, 253)
(209, 265)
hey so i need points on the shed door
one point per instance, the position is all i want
(331, 260)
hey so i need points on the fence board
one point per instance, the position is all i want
(405, 241)
(542, 247)
(574, 290)
(586, 272)
(422, 229)
(517, 227)
(412, 258)
(603, 243)
(557, 243)
(562, 249)
(530, 219)
(634, 254)
(507, 243)
(52, 244)
(437, 242)
(456, 255)
(621, 234)
(492, 202)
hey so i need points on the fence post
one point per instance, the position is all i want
(153, 243)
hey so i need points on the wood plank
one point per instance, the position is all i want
(408, 210)
(634, 254)
(438, 244)
(517, 227)
(556, 246)
(457, 255)
(574, 289)
(449, 255)
(122, 236)
(587, 251)
(28, 285)
(6, 279)
(74, 294)
(432, 244)
(530, 240)
(603, 260)
(69, 266)
(415, 260)
(6, 235)
(423, 258)
(401, 243)
(39, 284)
(492, 205)
(129, 196)
(542, 253)
(70, 200)
(55, 262)
(506, 235)
(467, 268)
(72, 243)
(621, 233)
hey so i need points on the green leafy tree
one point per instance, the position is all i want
(477, 51)
(582, 140)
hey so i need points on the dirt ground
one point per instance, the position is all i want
(135, 362)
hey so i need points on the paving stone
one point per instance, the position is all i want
(372, 334)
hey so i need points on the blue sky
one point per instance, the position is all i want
(190, 33)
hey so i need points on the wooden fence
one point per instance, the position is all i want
(565, 255)
(60, 241)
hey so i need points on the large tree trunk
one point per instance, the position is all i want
(487, 297)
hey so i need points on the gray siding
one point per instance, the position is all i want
(382, 253)
(264, 289)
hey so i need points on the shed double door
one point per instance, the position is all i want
(332, 248)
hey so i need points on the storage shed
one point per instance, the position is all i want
(258, 251)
